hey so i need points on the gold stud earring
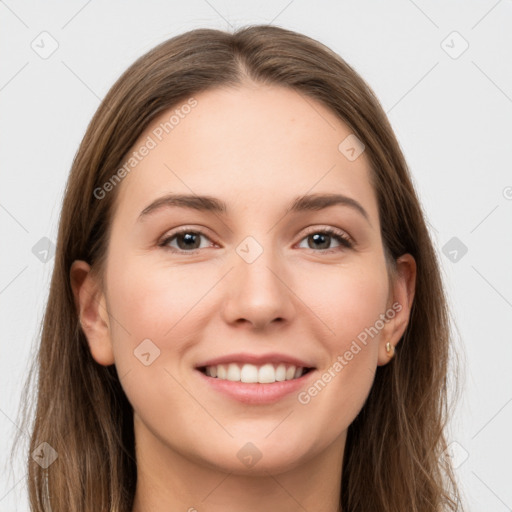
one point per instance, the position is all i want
(390, 349)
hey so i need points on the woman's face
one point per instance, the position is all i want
(253, 281)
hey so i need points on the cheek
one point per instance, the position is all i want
(149, 300)
(347, 300)
(349, 303)
(156, 314)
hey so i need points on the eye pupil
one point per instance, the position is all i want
(189, 238)
(318, 237)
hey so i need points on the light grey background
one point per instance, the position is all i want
(452, 114)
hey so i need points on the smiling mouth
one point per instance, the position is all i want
(250, 373)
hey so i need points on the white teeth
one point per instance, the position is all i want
(267, 374)
(233, 372)
(221, 371)
(250, 373)
(281, 372)
(290, 372)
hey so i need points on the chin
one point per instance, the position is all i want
(257, 457)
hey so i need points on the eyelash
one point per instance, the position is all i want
(345, 241)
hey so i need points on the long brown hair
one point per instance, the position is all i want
(393, 459)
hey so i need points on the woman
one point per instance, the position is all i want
(246, 310)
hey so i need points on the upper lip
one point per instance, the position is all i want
(256, 359)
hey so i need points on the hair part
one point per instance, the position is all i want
(393, 458)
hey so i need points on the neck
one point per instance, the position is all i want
(168, 480)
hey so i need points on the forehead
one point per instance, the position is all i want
(245, 145)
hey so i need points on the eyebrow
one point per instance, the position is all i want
(215, 205)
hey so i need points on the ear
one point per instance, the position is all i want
(91, 307)
(403, 287)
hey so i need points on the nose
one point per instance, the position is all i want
(257, 293)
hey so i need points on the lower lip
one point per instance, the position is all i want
(256, 393)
